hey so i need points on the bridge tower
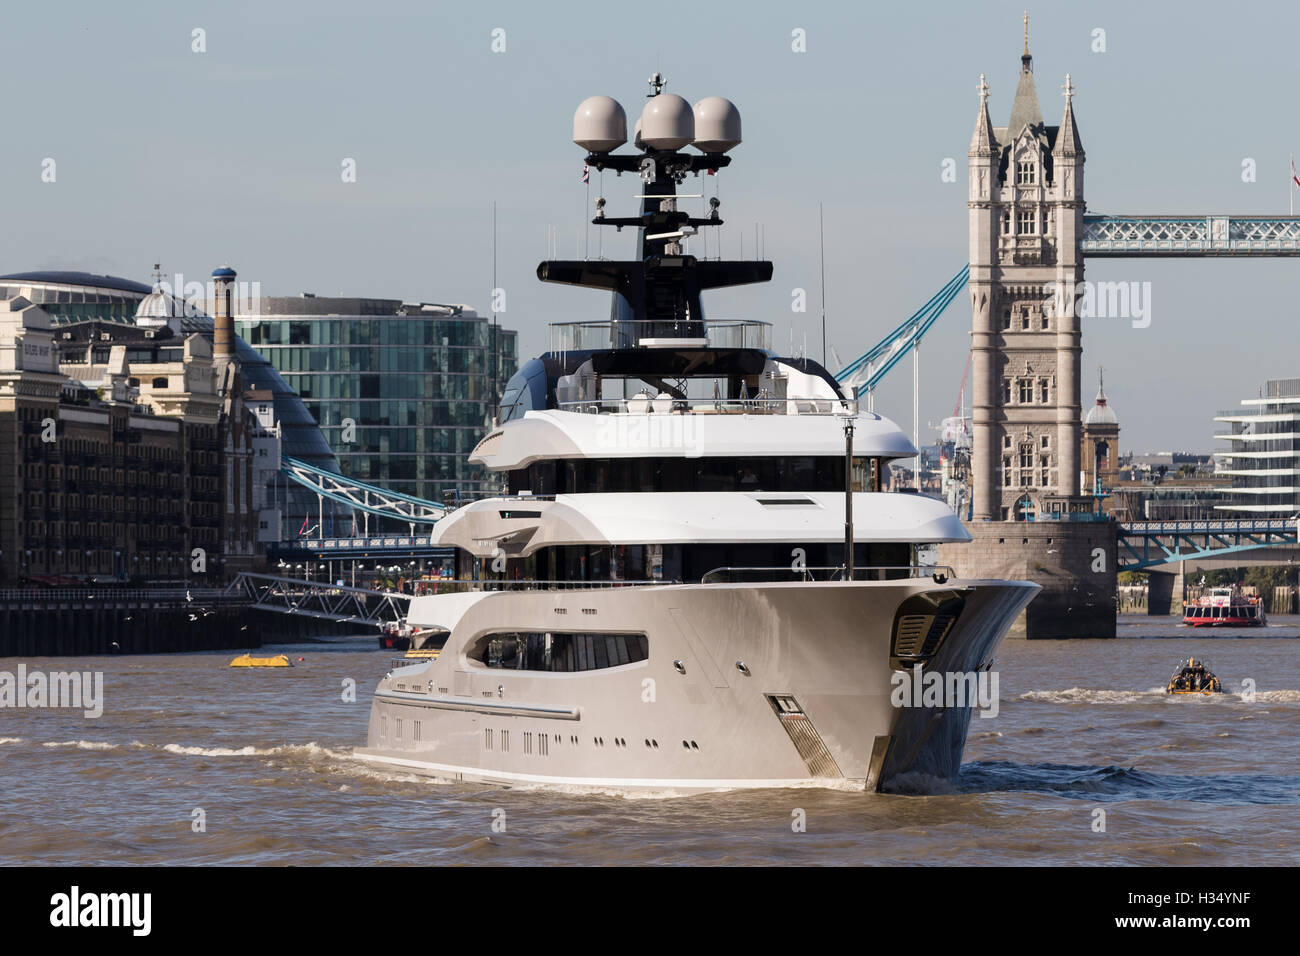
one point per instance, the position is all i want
(1026, 219)
(1026, 207)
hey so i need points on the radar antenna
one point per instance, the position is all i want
(656, 294)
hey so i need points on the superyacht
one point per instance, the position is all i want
(695, 576)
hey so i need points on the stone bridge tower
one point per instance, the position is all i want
(1026, 216)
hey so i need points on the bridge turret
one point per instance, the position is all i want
(985, 218)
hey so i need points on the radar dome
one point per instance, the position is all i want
(717, 125)
(600, 124)
(667, 122)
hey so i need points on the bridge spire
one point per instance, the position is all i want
(983, 142)
(1024, 109)
(1068, 142)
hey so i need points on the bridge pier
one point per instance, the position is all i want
(1166, 588)
(1075, 563)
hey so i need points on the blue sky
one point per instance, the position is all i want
(234, 155)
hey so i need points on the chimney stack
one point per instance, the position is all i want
(223, 328)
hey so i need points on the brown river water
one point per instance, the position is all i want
(266, 754)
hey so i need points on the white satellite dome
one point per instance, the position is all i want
(717, 125)
(600, 125)
(667, 122)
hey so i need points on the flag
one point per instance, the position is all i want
(586, 174)
(713, 172)
(1293, 175)
(304, 526)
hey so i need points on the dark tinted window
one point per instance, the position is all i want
(559, 652)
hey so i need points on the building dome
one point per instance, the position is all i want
(158, 307)
(1101, 413)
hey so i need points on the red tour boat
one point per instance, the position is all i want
(1224, 607)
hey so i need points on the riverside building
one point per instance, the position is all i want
(1263, 455)
(139, 449)
(402, 391)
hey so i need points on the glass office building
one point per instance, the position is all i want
(402, 392)
(1263, 457)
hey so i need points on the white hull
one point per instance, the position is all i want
(650, 726)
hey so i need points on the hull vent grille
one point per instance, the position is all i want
(804, 736)
(921, 624)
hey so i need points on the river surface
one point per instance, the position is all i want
(1084, 726)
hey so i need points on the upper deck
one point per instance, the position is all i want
(626, 429)
(624, 333)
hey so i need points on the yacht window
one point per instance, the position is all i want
(559, 652)
(799, 473)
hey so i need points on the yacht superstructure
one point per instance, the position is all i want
(694, 577)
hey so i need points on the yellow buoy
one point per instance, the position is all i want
(248, 660)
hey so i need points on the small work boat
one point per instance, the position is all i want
(248, 660)
(1193, 677)
(1224, 607)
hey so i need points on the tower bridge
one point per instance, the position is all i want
(1030, 231)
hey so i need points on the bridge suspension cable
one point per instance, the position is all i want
(371, 499)
(867, 370)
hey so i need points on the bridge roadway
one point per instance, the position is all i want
(360, 548)
(1146, 545)
(1161, 236)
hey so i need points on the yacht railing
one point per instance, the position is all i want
(451, 585)
(761, 404)
(612, 333)
(744, 575)
(726, 575)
